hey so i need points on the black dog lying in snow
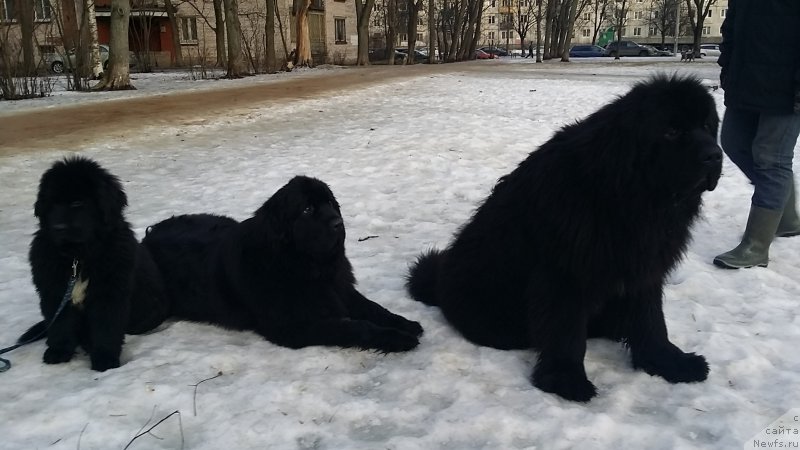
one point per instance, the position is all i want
(282, 272)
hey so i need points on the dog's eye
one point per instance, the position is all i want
(76, 204)
(308, 210)
(672, 133)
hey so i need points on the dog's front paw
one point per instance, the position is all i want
(389, 340)
(104, 361)
(568, 384)
(411, 327)
(674, 366)
(55, 355)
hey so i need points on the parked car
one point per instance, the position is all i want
(659, 52)
(59, 63)
(496, 51)
(627, 48)
(480, 54)
(709, 49)
(586, 51)
(379, 54)
(419, 55)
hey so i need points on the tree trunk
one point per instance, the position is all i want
(431, 33)
(117, 77)
(69, 24)
(25, 18)
(303, 50)
(283, 39)
(413, 17)
(363, 12)
(549, 18)
(95, 64)
(233, 30)
(391, 30)
(539, 32)
(219, 15)
(269, 35)
(568, 27)
(177, 56)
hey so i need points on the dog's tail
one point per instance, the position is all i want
(34, 333)
(422, 277)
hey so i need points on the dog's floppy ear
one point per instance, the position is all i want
(111, 199)
(275, 213)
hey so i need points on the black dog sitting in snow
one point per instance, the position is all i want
(83, 235)
(282, 272)
(577, 241)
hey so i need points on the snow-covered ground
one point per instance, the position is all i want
(408, 160)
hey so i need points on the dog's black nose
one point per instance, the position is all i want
(711, 155)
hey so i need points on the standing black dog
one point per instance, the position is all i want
(578, 240)
(83, 233)
(282, 272)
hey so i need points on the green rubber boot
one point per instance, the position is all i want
(754, 248)
(790, 222)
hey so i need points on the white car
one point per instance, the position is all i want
(709, 50)
(59, 63)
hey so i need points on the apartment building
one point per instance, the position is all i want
(639, 25)
(332, 26)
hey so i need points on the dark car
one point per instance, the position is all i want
(586, 51)
(379, 54)
(419, 56)
(496, 51)
(627, 48)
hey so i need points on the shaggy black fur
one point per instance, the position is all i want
(80, 210)
(577, 241)
(282, 272)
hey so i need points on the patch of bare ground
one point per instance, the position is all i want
(82, 124)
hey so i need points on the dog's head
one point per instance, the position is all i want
(77, 201)
(662, 138)
(304, 215)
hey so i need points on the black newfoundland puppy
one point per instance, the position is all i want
(83, 234)
(282, 272)
(577, 241)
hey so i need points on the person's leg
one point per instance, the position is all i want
(739, 128)
(771, 173)
(773, 151)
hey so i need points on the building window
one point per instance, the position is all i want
(709, 13)
(586, 32)
(587, 16)
(491, 35)
(419, 37)
(722, 12)
(188, 30)
(403, 37)
(706, 30)
(42, 10)
(638, 14)
(493, 3)
(637, 31)
(651, 31)
(340, 30)
(7, 13)
(420, 22)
